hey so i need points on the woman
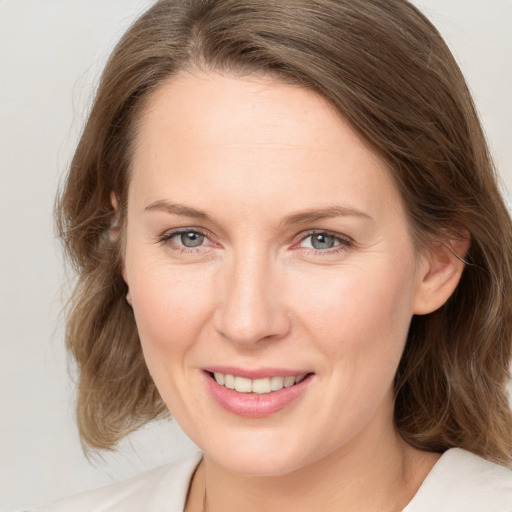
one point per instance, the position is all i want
(288, 234)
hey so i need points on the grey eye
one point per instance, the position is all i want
(323, 241)
(191, 239)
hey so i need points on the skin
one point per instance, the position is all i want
(247, 157)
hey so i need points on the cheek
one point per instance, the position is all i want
(358, 315)
(167, 309)
(170, 311)
(170, 305)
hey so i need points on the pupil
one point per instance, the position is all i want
(192, 239)
(322, 241)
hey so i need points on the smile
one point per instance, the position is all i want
(256, 397)
(258, 386)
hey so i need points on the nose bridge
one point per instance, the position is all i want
(252, 308)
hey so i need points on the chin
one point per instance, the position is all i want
(262, 465)
(257, 454)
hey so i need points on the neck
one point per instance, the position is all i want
(381, 476)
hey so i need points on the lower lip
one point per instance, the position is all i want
(253, 405)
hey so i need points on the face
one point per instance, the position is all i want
(267, 250)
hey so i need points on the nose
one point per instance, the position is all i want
(252, 307)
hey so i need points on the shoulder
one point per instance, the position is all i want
(464, 482)
(161, 489)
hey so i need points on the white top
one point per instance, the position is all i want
(459, 482)
(462, 482)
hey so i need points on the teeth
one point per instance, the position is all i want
(289, 381)
(276, 383)
(261, 386)
(258, 386)
(300, 378)
(243, 385)
(229, 381)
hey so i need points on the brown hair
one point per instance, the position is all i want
(388, 71)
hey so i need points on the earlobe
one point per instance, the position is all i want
(440, 274)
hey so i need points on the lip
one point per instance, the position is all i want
(252, 405)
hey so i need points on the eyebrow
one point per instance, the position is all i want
(324, 213)
(178, 209)
(296, 218)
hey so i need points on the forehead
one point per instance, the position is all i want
(210, 134)
(270, 112)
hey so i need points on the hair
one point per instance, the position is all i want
(387, 70)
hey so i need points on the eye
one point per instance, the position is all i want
(324, 241)
(184, 239)
(189, 238)
(321, 241)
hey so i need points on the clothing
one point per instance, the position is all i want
(459, 482)
(463, 482)
(162, 489)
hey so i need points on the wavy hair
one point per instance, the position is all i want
(387, 70)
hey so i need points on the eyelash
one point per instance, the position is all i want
(342, 242)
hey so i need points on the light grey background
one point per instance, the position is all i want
(51, 53)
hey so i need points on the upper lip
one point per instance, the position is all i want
(255, 373)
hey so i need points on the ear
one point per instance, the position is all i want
(440, 273)
(114, 233)
(115, 224)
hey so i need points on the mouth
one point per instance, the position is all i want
(256, 393)
(257, 397)
(259, 386)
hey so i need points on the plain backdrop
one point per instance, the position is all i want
(51, 54)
